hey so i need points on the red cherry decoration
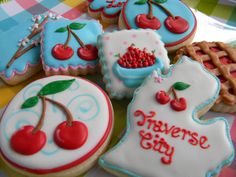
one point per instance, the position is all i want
(25, 142)
(142, 21)
(89, 52)
(61, 52)
(162, 97)
(176, 24)
(178, 105)
(71, 137)
(136, 58)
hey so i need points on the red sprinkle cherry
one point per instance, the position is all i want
(25, 142)
(162, 97)
(176, 24)
(61, 52)
(71, 137)
(89, 52)
(178, 105)
(142, 21)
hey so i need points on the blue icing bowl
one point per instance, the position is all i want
(133, 77)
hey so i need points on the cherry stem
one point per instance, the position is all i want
(30, 36)
(78, 39)
(164, 9)
(175, 94)
(68, 36)
(42, 117)
(69, 116)
(150, 11)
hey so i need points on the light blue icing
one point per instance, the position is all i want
(85, 104)
(98, 4)
(177, 8)
(22, 121)
(211, 173)
(134, 77)
(9, 45)
(88, 35)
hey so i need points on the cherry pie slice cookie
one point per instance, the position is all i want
(220, 59)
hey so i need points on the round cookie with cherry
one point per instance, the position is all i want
(172, 19)
(56, 127)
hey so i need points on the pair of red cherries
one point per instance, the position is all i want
(62, 52)
(177, 104)
(26, 141)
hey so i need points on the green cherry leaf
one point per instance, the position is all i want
(76, 26)
(180, 86)
(61, 30)
(160, 1)
(30, 102)
(140, 2)
(55, 87)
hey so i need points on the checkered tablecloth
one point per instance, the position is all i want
(16, 11)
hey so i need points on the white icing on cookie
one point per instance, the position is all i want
(203, 154)
(87, 103)
(115, 43)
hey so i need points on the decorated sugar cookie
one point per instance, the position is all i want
(69, 47)
(108, 10)
(21, 57)
(172, 19)
(127, 58)
(164, 136)
(56, 126)
(219, 59)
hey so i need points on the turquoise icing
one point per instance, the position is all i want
(9, 45)
(98, 4)
(177, 8)
(85, 104)
(88, 35)
(211, 173)
(134, 77)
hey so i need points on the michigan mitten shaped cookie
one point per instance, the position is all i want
(219, 59)
(56, 127)
(164, 136)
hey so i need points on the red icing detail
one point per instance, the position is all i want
(158, 126)
(178, 105)
(176, 25)
(142, 21)
(71, 137)
(162, 97)
(89, 52)
(112, 4)
(209, 64)
(169, 44)
(25, 142)
(136, 58)
(62, 53)
(83, 158)
(225, 60)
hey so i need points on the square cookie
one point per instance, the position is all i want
(69, 47)
(127, 57)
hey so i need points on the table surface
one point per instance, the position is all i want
(14, 12)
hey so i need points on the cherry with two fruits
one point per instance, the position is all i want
(70, 134)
